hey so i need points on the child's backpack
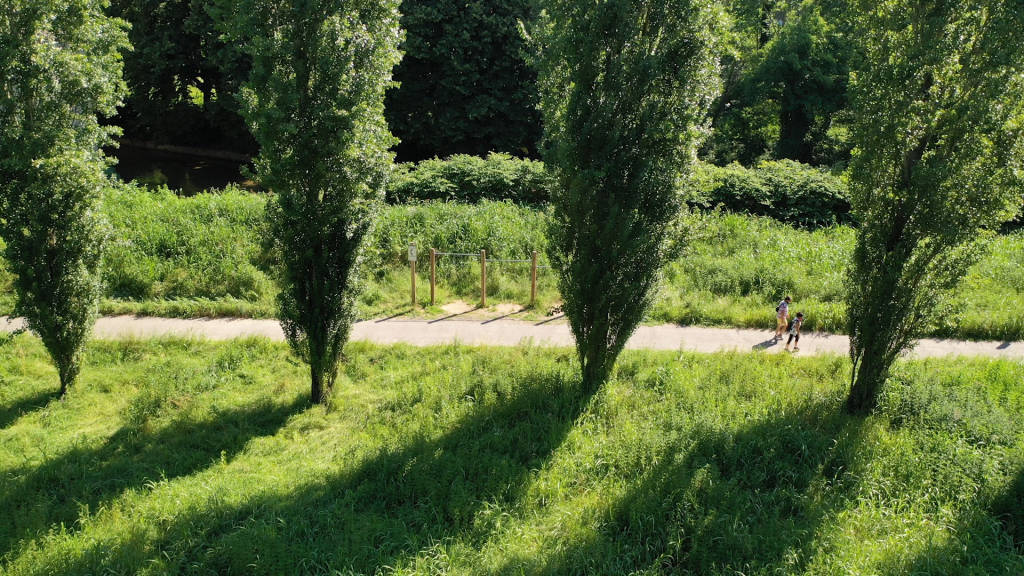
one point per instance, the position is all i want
(792, 322)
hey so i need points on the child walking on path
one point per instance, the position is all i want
(794, 331)
(782, 317)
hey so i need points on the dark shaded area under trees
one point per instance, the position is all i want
(465, 85)
(183, 76)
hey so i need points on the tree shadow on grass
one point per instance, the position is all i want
(10, 414)
(387, 508)
(985, 539)
(76, 483)
(725, 502)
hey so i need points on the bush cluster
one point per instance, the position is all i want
(785, 190)
(464, 178)
(788, 191)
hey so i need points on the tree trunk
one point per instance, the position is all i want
(67, 373)
(595, 365)
(794, 125)
(867, 382)
(319, 393)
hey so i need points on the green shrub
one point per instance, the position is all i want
(202, 256)
(785, 190)
(463, 178)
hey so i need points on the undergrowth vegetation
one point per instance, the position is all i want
(202, 256)
(190, 457)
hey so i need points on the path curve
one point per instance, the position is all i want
(514, 332)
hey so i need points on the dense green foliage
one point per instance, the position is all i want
(465, 86)
(625, 86)
(785, 84)
(60, 68)
(194, 457)
(183, 75)
(169, 248)
(202, 256)
(939, 132)
(784, 190)
(315, 104)
(464, 178)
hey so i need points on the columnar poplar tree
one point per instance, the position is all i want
(314, 103)
(60, 69)
(939, 135)
(625, 86)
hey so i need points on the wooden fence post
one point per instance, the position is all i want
(433, 278)
(533, 279)
(483, 278)
(412, 270)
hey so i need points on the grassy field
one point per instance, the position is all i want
(184, 457)
(202, 256)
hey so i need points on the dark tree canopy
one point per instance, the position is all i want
(183, 76)
(785, 84)
(465, 85)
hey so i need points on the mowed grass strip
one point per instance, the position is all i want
(190, 457)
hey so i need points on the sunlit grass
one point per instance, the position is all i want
(185, 457)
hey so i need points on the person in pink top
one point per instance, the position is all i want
(782, 317)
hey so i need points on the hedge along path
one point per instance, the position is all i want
(502, 332)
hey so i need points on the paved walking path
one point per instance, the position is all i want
(504, 332)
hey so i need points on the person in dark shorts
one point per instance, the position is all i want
(794, 331)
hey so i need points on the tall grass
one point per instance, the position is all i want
(186, 457)
(202, 256)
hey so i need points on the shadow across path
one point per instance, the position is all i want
(453, 315)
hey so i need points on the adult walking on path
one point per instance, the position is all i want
(491, 332)
(782, 317)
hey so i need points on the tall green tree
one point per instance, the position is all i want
(60, 68)
(315, 104)
(625, 87)
(939, 158)
(465, 84)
